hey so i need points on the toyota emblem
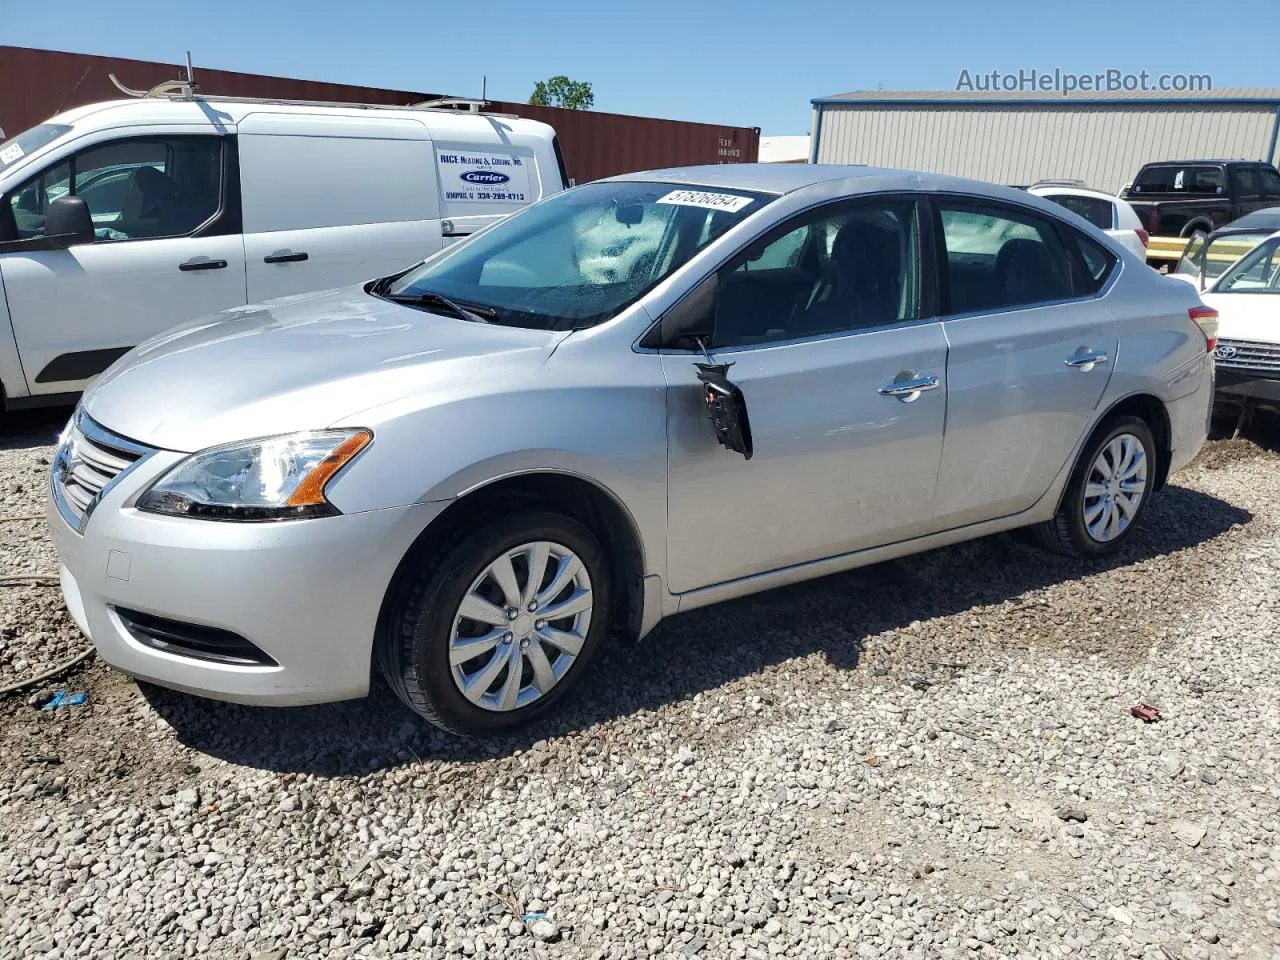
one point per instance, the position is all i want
(1224, 351)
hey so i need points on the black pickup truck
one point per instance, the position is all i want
(1175, 198)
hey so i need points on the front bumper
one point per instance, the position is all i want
(1235, 382)
(307, 592)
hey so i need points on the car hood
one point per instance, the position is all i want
(1246, 316)
(300, 363)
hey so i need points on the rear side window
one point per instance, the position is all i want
(1097, 262)
(305, 182)
(1180, 178)
(999, 258)
(1099, 212)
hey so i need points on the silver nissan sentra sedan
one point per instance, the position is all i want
(640, 396)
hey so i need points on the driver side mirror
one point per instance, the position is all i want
(68, 222)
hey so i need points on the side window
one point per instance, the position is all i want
(1099, 212)
(1270, 182)
(999, 258)
(134, 189)
(849, 267)
(1246, 183)
(29, 202)
(1097, 261)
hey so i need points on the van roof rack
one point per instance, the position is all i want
(186, 88)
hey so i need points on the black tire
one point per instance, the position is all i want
(413, 647)
(1067, 533)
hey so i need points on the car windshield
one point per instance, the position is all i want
(1221, 253)
(578, 258)
(29, 141)
(1259, 272)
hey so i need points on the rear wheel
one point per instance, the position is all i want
(1108, 491)
(493, 628)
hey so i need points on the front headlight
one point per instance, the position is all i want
(277, 478)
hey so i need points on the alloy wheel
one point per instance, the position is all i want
(520, 626)
(1115, 487)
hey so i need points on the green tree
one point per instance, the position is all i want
(562, 92)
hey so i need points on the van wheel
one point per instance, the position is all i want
(1107, 494)
(495, 626)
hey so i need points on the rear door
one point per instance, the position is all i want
(330, 201)
(168, 249)
(827, 330)
(1031, 347)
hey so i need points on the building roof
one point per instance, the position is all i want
(1224, 95)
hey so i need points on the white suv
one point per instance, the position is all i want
(1109, 214)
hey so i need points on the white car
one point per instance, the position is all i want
(1247, 298)
(120, 219)
(1109, 214)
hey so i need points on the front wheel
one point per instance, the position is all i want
(1108, 491)
(495, 626)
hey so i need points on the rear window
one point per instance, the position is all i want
(1099, 212)
(29, 141)
(1191, 179)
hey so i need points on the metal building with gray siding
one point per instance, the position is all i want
(1018, 138)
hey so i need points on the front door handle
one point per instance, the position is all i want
(202, 263)
(285, 256)
(908, 391)
(1085, 359)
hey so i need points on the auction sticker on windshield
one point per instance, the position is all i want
(700, 198)
(483, 176)
(11, 153)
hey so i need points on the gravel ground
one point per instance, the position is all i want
(929, 758)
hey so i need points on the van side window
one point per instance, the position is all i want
(852, 267)
(999, 258)
(134, 189)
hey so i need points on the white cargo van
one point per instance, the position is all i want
(120, 219)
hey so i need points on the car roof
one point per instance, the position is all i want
(1070, 190)
(1268, 218)
(1183, 163)
(780, 178)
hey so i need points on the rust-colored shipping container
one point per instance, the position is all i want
(36, 84)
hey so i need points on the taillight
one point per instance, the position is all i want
(1154, 220)
(1144, 237)
(1207, 319)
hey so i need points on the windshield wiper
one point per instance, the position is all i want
(477, 314)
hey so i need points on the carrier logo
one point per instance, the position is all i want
(488, 177)
(1224, 352)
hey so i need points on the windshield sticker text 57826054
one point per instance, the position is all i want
(480, 176)
(728, 202)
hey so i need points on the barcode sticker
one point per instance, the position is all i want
(700, 198)
(11, 153)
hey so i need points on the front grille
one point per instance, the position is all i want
(1247, 355)
(90, 459)
(193, 640)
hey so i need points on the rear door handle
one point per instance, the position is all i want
(202, 263)
(1087, 360)
(284, 256)
(909, 390)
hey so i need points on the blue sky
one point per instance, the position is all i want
(745, 62)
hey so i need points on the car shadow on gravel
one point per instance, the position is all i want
(698, 651)
(24, 429)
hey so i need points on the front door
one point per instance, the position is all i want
(1031, 351)
(844, 387)
(163, 255)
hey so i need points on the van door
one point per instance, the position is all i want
(168, 249)
(330, 201)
